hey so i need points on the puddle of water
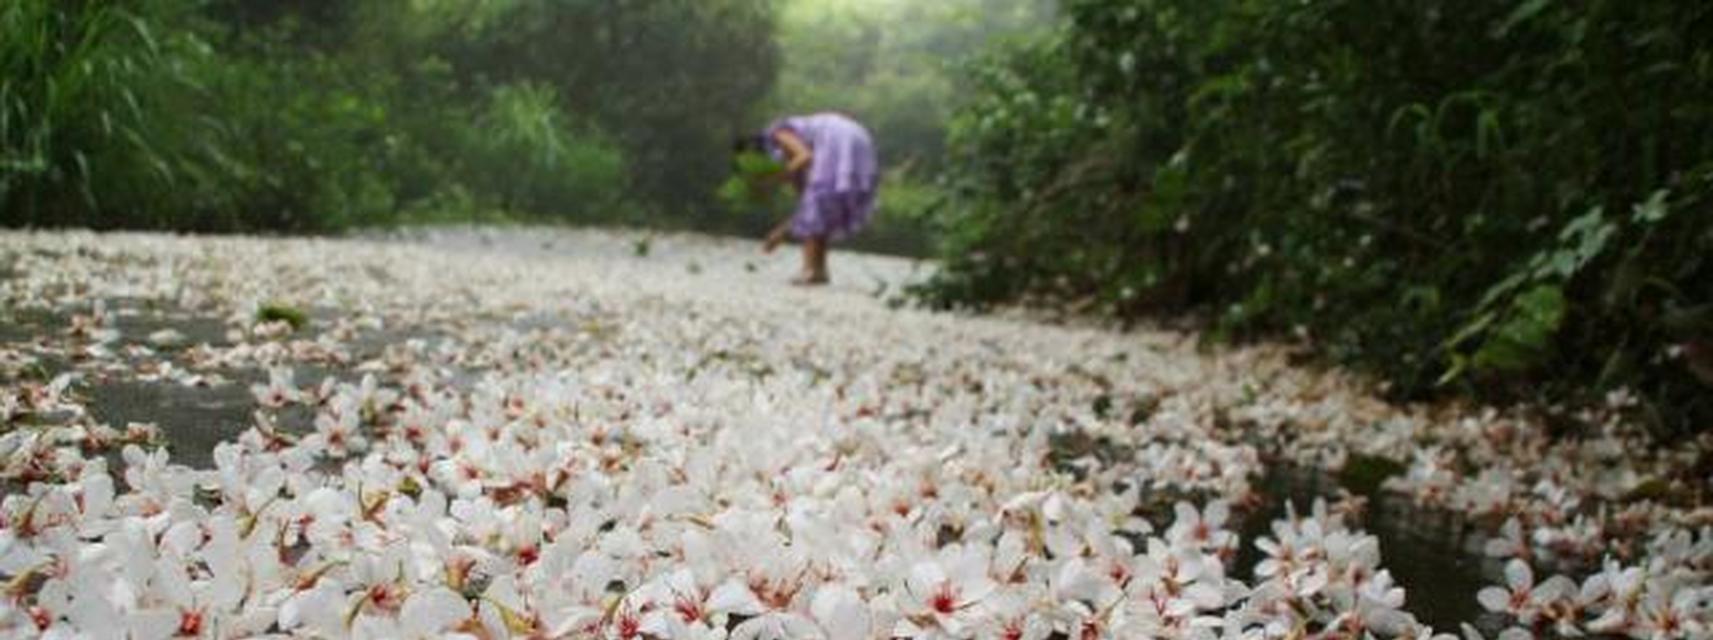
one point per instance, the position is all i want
(1439, 568)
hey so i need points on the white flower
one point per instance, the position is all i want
(279, 391)
(1521, 598)
(623, 455)
(1202, 529)
(941, 595)
(431, 612)
(842, 613)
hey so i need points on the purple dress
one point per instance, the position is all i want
(838, 192)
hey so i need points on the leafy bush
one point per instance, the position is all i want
(891, 63)
(524, 153)
(223, 115)
(1453, 193)
(306, 145)
(668, 82)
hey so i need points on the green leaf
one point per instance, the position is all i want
(1152, 218)
(1525, 338)
(1523, 13)
(757, 164)
(1459, 365)
(1474, 328)
(1503, 288)
(1654, 209)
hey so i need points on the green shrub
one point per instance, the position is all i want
(307, 144)
(525, 155)
(314, 117)
(668, 82)
(1455, 194)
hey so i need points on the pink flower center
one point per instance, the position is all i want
(629, 627)
(1090, 631)
(190, 624)
(689, 610)
(384, 597)
(945, 600)
(528, 555)
(1519, 599)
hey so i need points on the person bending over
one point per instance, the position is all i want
(830, 159)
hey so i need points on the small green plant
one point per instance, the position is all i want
(754, 181)
(276, 312)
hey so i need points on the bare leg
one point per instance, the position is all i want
(819, 270)
(775, 238)
(814, 262)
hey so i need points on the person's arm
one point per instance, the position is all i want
(798, 155)
(798, 158)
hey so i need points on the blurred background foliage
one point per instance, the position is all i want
(1505, 199)
(1510, 199)
(895, 66)
(322, 115)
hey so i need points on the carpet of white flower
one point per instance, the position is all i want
(558, 437)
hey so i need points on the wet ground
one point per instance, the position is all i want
(1442, 566)
(1432, 554)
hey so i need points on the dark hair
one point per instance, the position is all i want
(749, 143)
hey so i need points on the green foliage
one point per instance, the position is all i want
(757, 165)
(754, 182)
(83, 90)
(891, 62)
(302, 143)
(1524, 339)
(1430, 189)
(221, 115)
(524, 152)
(282, 313)
(670, 81)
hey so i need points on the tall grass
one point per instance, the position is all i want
(84, 86)
(309, 117)
(526, 153)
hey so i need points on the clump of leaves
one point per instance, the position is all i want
(277, 312)
(754, 178)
